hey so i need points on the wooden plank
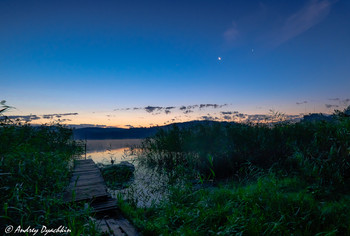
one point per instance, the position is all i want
(128, 228)
(84, 165)
(83, 196)
(86, 182)
(114, 227)
(103, 227)
(89, 175)
(84, 161)
(87, 161)
(92, 190)
(79, 177)
(85, 169)
(105, 205)
(82, 174)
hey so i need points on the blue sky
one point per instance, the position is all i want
(98, 58)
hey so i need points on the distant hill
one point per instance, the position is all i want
(113, 133)
(139, 133)
(120, 133)
(317, 117)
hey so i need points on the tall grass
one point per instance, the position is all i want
(322, 145)
(286, 179)
(34, 171)
(270, 206)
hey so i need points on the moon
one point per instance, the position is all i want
(219, 58)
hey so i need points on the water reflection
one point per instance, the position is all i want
(103, 151)
(148, 186)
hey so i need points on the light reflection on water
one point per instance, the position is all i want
(102, 151)
(147, 186)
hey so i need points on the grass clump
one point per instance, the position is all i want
(118, 176)
(270, 206)
(34, 171)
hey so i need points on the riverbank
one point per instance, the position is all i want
(281, 180)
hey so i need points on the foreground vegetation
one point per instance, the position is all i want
(34, 170)
(224, 179)
(289, 179)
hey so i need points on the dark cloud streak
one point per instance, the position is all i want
(167, 110)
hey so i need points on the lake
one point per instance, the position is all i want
(147, 187)
(103, 151)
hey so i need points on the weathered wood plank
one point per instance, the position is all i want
(91, 175)
(105, 205)
(114, 226)
(83, 195)
(83, 169)
(84, 174)
(102, 226)
(127, 227)
(84, 161)
(86, 182)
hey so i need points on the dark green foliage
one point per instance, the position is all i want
(286, 179)
(117, 176)
(271, 206)
(34, 171)
(323, 144)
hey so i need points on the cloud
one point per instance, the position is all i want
(88, 126)
(240, 115)
(331, 106)
(300, 103)
(346, 101)
(51, 116)
(156, 110)
(167, 110)
(64, 120)
(226, 117)
(211, 105)
(231, 34)
(308, 16)
(207, 117)
(257, 117)
(188, 111)
(151, 109)
(27, 118)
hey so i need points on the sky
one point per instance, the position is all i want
(144, 63)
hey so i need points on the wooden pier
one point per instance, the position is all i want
(87, 185)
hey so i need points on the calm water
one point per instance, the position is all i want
(103, 151)
(147, 187)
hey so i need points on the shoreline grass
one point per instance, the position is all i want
(34, 171)
(289, 179)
